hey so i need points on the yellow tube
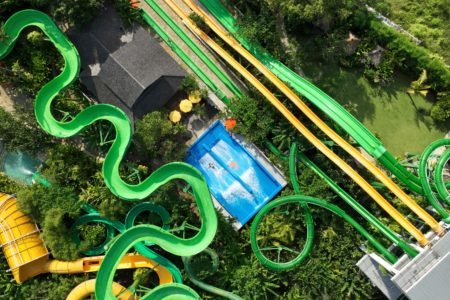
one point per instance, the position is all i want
(28, 257)
(87, 288)
(92, 264)
(396, 215)
(21, 242)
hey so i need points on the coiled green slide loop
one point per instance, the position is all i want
(303, 201)
(430, 186)
(113, 226)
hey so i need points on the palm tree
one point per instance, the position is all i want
(418, 86)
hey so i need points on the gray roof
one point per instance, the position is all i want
(119, 65)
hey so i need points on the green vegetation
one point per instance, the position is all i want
(307, 35)
(427, 20)
(189, 84)
(32, 67)
(410, 57)
(161, 141)
(54, 209)
(322, 51)
(7, 185)
(378, 107)
(21, 132)
(441, 111)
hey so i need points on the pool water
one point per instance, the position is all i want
(238, 181)
(18, 166)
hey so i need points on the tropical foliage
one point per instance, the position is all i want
(330, 272)
(160, 140)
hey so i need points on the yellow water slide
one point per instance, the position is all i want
(92, 264)
(19, 237)
(87, 288)
(27, 255)
(297, 124)
(380, 175)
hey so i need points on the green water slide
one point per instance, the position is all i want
(186, 58)
(93, 216)
(440, 185)
(320, 99)
(303, 201)
(388, 233)
(195, 48)
(141, 233)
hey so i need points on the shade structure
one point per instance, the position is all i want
(195, 97)
(175, 116)
(185, 106)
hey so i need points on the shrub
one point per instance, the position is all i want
(189, 84)
(410, 57)
(200, 22)
(441, 110)
(159, 140)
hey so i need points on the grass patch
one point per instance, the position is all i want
(401, 121)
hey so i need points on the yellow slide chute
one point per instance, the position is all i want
(395, 214)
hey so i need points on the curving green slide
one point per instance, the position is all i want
(320, 99)
(141, 233)
(438, 176)
(303, 201)
(187, 261)
(361, 210)
(93, 216)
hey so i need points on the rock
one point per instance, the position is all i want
(376, 55)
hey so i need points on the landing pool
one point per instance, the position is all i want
(237, 180)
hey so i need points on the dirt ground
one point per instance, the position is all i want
(5, 100)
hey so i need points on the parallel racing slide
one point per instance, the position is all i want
(148, 233)
(304, 131)
(339, 114)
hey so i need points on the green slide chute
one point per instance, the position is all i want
(141, 233)
(361, 210)
(185, 58)
(303, 201)
(196, 49)
(93, 216)
(321, 100)
(432, 197)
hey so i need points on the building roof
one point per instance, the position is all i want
(119, 64)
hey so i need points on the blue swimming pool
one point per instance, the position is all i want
(239, 182)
